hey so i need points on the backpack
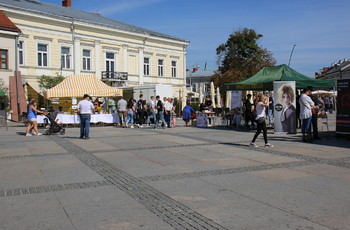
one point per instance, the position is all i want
(140, 106)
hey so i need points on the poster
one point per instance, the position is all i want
(343, 107)
(236, 99)
(285, 116)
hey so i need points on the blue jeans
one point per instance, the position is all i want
(160, 116)
(306, 126)
(270, 114)
(150, 115)
(130, 118)
(85, 125)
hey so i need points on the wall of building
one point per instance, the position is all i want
(129, 49)
(7, 42)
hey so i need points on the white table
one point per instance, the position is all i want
(75, 119)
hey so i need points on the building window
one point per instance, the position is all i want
(110, 62)
(160, 68)
(4, 59)
(146, 66)
(65, 58)
(20, 53)
(42, 55)
(194, 87)
(173, 68)
(86, 60)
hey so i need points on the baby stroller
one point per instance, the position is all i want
(54, 126)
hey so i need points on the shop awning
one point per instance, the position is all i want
(78, 85)
(35, 86)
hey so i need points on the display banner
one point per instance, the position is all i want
(284, 107)
(343, 107)
(201, 119)
(236, 99)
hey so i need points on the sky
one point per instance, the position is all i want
(319, 29)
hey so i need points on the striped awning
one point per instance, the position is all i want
(78, 85)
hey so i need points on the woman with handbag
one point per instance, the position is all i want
(260, 120)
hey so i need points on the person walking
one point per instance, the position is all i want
(150, 111)
(130, 111)
(141, 111)
(187, 113)
(160, 112)
(85, 109)
(32, 119)
(260, 120)
(318, 104)
(248, 114)
(306, 105)
(121, 104)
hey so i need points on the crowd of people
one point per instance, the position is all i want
(141, 112)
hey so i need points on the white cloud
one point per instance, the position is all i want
(123, 5)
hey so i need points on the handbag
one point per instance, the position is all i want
(260, 120)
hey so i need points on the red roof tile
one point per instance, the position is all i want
(7, 24)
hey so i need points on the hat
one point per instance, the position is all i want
(86, 95)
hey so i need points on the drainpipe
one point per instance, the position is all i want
(16, 74)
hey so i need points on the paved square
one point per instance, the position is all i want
(181, 178)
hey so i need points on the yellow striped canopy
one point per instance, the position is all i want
(78, 85)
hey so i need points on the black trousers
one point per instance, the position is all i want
(141, 117)
(261, 127)
(314, 125)
(167, 117)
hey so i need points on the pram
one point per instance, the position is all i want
(54, 126)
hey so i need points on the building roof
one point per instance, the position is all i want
(342, 65)
(48, 9)
(200, 73)
(7, 24)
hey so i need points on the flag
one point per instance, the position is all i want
(205, 66)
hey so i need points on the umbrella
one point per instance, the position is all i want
(228, 99)
(212, 93)
(218, 98)
(200, 94)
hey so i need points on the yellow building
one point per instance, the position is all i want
(60, 40)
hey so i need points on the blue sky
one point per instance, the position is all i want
(320, 29)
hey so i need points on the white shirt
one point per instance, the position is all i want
(305, 106)
(85, 107)
(260, 110)
(122, 105)
(167, 106)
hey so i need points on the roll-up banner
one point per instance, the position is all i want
(236, 99)
(343, 107)
(284, 107)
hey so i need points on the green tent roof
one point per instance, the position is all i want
(263, 80)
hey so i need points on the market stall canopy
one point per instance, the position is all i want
(78, 85)
(263, 80)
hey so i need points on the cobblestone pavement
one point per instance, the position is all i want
(181, 178)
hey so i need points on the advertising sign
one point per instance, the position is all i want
(201, 120)
(236, 99)
(343, 107)
(284, 107)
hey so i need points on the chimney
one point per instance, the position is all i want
(67, 3)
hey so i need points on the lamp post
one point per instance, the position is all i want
(290, 58)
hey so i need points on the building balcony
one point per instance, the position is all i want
(114, 76)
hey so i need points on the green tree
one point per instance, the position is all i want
(47, 82)
(241, 57)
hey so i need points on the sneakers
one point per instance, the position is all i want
(39, 134)
(268, 145)
(141, 126)
(132, 127)
(28, 135)
(253, 144)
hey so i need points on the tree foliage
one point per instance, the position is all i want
(241, 57)
(47, 82)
